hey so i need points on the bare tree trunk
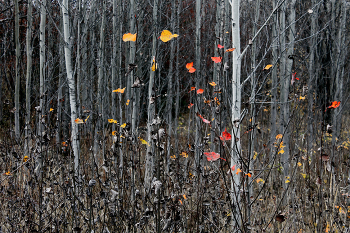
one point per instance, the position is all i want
(130, 79)
(150, 111)
(29, 74)
(18, 78)
(71, 86)
(236, 108)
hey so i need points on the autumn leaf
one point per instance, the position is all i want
(220, 46)
(193, 88)
(119, 90)
(267, 67)
(216, 59)
(123, 125)
(25, 158)
(230, 50)
(211, 156)
(78, 121)
(203, 119)
(190, 68)
(200, 91)
(129, 37)
(8, 173)
(225, 136)
(279, 136)
(260, 180)
(238, 171)
(64, 144)
(184, 196)
(144, 142)
(114, 133)
(51, 109)
(190, 105)
(87, 118)
(299, 164)
(281, 152)
(167, 36)
(110, 121)
(304, 175)
(233, 168)
(302, 97)
(249, 175)
(180, 201)
(184, 154)
(335, 104)
(127, 102)
(189, 65)
(154, 65)
(173, 157)
(212, 84)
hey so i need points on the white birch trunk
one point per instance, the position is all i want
(71, 85)
(236, 108)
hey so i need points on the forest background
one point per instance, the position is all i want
(174, 116)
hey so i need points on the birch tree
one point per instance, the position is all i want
(71, 85)
(18, 80)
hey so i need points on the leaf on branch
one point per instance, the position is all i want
(190, 68)
(212, 84)
(203, 119)
(123, 125)
(144, 142)
(211, 156)
(335, 104)
(225, 136)
(129, 37)
(200, 91)
(119, 90)
(220, 46)
(78, 121)
(230, 50)
(238, 171)
(167, 36)
(190, 105)
(216, 59)
(267, 67)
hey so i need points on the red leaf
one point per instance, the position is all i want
(200, 91)
(193, 88)
(220, 46)
(233, 168)
(190, 105)
(211, 156)
(216, 59)
(225, 136)
(203, 119)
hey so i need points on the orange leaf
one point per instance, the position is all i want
(230, 50)
(267, 67)
(335, 104)
(129, 37)
(167, 36)
(190, 105)
(220, 46)
(200, 91)
(238, 171)
(189, 65)
(279, 136)
(79, 121)
(120, 90)
(180, 201)
(249, 175)
(216, 59)
(213, 84)
(192, 70)
(193, 88)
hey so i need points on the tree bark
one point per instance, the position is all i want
(18, 78)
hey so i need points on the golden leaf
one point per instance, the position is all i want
(304, 175)
(123, 125)
(302, 97)
(279, 136)
(51, 109)
(167, 36)
(127, 102)
(129, 37)
(25, 158)
(213, 84)
(120, 90)
(267, 67)
(79, 121)
(184, 154)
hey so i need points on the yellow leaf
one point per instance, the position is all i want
(167, 36)
(51, 109)
(8, 173)
(267, 67)
(129, 37)
(87, 118)
(281, 152)
(79, 121)
(327, 227)
(122, 136)
(154, 65)
(173, 157)
(304, 175)
(143, 141)
(287, 181)
(114, 133)
(120, 90)
(110, 121)
(184, 154)
(260, 180)
(213, 84)
(299, 164)
(127, 102)
(184, 196)
(266, 110)
(25, 158)
(123, 125)
(238, 171)
(255, 155)
(302, 97)
(279, 136)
